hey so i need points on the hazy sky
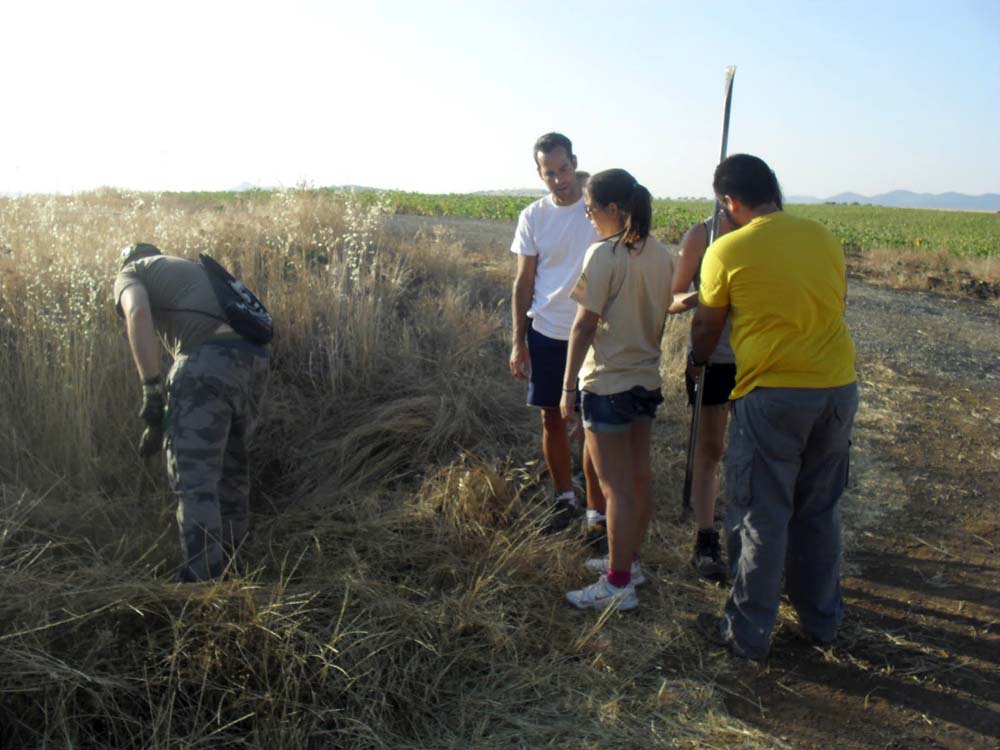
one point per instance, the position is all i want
(449, 96)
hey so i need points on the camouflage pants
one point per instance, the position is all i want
(213, 400)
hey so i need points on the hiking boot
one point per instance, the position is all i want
(814, 640)
(818, 642)
(707, 557)
(602, 594)
(599, 565)
(710, 627)
(562, 514)
(595, 536)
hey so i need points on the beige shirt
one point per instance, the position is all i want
(630, 290)
(185, 309)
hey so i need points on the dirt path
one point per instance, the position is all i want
(918, 664)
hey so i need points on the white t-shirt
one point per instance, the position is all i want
(559, 236)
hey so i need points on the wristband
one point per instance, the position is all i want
(152, 385)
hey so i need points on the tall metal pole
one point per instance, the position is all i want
(700, 374)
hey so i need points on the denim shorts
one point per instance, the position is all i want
(617, 412)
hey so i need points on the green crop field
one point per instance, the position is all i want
(859, 227)
(962, 233)
(966, 233)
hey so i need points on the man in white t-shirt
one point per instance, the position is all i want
(552, 236)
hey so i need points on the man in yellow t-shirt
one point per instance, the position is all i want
(781, 282)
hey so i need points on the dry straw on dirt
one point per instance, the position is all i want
(397, 591)
(976, 277)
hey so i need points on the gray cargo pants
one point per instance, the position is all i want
(787, 466)
(213, 400)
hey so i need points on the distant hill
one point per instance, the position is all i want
(897, 198)
(908, 199)
(528, 192)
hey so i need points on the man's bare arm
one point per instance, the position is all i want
(520, 303)
(141, 334)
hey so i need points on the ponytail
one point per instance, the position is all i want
(633, 200)
(639, 217)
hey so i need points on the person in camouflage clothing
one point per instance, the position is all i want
(205, 413)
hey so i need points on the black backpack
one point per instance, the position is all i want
(243, 311)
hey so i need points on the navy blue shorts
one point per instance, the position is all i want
(548, 365)
(720, 379)
(617, 412)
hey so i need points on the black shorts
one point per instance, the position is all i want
(548, 365)
(720, 379)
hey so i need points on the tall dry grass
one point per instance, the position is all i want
(396, 591)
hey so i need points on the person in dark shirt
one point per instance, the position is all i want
(205, 411)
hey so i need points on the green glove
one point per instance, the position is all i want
(153, 413)
(151, 442)
(153, 403)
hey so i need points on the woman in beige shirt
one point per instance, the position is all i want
(624, 295)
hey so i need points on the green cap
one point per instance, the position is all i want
(136, 251)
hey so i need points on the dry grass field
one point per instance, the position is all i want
(396, 591)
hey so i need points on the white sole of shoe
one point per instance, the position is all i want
(622, 602)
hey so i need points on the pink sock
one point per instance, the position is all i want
(619, 578)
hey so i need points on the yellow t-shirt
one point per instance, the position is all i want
(630, 290)
(783, 279)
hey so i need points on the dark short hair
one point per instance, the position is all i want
(549, 142)
(748, 179)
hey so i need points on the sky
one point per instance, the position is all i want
(439, 96)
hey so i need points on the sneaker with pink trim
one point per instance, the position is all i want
(599, 565)
(602, 594)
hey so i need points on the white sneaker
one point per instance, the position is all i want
(602, 594)
(599, 565)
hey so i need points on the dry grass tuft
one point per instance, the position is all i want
(397, 591)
